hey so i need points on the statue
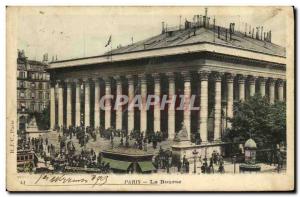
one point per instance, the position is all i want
(182, 135)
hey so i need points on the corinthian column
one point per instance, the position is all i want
(69, 102)
(97, 103)
(271, 90)
(130, 115)
(251, 80)
(60, 104)
(77, 102)
(107, 103)
(229, 79)
(119, 110)
(280, 89)
(241, 81)
(203, 105)
(157, 104)
(218, 100)
(87, 103)
(262, 85)
(143, 82)
(187, 97)
(171, 110)
(52, 106)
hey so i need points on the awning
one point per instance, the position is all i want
(117, 164)
(146, 166)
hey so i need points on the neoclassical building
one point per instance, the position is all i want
(218, 65)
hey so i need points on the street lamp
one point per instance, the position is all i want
(234, 161)
(195, 153)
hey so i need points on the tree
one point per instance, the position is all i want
(260, 120)
(42, 119)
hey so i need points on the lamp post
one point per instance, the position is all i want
(234, 162)
(195, 153)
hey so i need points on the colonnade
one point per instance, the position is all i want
(247, 84)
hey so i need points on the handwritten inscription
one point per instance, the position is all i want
(63, 179)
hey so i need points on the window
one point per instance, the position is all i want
(32, 85)
(21, 84)
(40, 95)
(21, 74)
(32, 94)
(22, 94)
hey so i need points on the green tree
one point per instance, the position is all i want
(260, 120)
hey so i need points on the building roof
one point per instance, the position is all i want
(187, 36)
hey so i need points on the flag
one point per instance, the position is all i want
(109, 41)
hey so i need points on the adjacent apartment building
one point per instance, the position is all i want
(32, 87)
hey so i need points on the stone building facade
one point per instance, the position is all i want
(218, 65)
(32, 87)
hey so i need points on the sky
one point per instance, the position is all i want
(75, 32)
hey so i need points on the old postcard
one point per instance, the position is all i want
(150, 99)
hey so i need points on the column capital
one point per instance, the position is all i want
(280, 82)
(156, 77)
(186, 76)
(271, 81)
(204, 74)
(241, 78)
(230, 77)
(69, 81)
(118, 79)
(217, 76)
(130, 78)
(170, 75)
(96, 79)
(86, 80)
(107, 80)
(142, 77)
(252, 79)
(59, 83)
(262, 79)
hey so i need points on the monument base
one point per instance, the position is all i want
(186, 148)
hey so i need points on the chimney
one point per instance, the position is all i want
(214, 24)
(204, 21)
(257, 33)
(180, 22)
(207, 22)
(253, 32)
(246, 29)
(198, 20)
(163, 27)
(226, 34)
(270, 35)
(250, 30)
(261, 32)
(264, 36)
(45, 57)
(231, 30)
(205, 12)
(218, 31)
